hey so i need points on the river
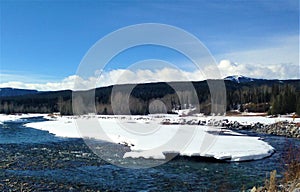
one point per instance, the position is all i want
(32, 159)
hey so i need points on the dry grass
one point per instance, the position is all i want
(291, 176)
(292, 163)
(291, 173)
(272, 182)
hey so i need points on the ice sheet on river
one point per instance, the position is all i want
(148, 138)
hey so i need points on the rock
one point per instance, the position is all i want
(284, 128)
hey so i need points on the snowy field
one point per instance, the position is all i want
(150, 137)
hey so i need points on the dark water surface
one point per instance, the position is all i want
(32, 159)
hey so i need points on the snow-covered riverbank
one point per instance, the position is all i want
(149, 138)
(19, 117)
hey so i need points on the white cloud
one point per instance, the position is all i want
(67, 83)
(278, 59)
(123, 76)
(118, 76)
(272, 71)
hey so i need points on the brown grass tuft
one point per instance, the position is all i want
(291, 164)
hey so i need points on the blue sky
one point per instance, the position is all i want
(44, 41)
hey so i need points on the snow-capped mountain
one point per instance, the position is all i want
(239, 79)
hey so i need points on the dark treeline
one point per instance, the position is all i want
(273, 96)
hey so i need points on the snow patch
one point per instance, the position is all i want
(7, 118)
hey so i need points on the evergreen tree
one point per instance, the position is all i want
(298, 105)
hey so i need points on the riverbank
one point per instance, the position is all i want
(255, 122)
(69, 165)
(281, 128)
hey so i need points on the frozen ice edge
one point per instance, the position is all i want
(237, 156)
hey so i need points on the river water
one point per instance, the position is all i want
(32, 159)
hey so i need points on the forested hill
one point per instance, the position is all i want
(257, 95)
(6, 92)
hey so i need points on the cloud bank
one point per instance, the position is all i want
(275, 71)
(123, 76)
(118, 76)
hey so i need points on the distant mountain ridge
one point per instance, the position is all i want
(9, 92)
(253, 95)
(240, 79)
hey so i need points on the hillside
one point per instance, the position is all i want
(7, 92)
(257, 95)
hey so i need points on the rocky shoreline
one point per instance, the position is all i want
(282, 128)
